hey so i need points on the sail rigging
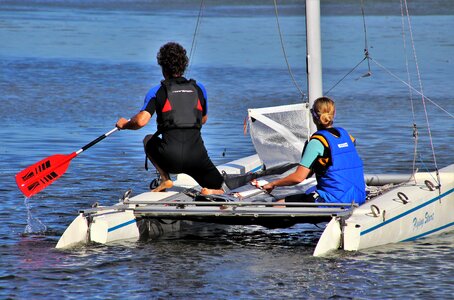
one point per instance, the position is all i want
(314, 75)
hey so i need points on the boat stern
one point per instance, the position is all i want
(76, 233)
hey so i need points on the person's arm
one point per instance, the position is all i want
(296, 177)
(143, 117)
(138, 121)
(203, 95)
(312, 150)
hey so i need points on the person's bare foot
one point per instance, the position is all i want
(280, 206)
(206, 191)
(167, 184)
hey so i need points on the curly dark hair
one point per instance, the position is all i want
(173, 59)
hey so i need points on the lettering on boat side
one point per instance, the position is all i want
(419, 223)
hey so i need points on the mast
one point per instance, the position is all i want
(313, 55)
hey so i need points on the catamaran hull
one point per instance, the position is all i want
(120, 223)
(413, 210)
(406, 213)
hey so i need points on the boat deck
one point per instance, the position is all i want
(268, 214)
(246, 213)
(245, 205)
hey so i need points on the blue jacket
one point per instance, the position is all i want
(343, 179)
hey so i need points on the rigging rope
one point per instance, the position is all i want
(411, 87)
(415, 127)
(283, 50)
(366, 47)
(366, 55)
(348, 73)
(194, 36)
(408, 84)
(421, 89)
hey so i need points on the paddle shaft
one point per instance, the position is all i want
(95, 141)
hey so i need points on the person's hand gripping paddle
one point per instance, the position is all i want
(40, 175)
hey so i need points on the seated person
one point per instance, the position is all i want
(332, 156)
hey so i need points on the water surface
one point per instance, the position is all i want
(69, 69)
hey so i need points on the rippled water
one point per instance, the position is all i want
(70, 69)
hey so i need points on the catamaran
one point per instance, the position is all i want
(400, 207)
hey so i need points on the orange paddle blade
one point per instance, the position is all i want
(37, 177)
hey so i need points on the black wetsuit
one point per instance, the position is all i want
(181, 148)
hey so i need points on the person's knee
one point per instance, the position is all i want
(214, 180)
(146, 139)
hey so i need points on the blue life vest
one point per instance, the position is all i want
(343, 179)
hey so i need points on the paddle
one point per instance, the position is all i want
(37, 177)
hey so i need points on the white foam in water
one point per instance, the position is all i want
(34, 225)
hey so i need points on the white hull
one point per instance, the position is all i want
(120, 223)
(405, 213)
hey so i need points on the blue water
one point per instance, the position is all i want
(69, 69)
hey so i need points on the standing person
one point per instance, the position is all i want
(332, 156)
(181, 108)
